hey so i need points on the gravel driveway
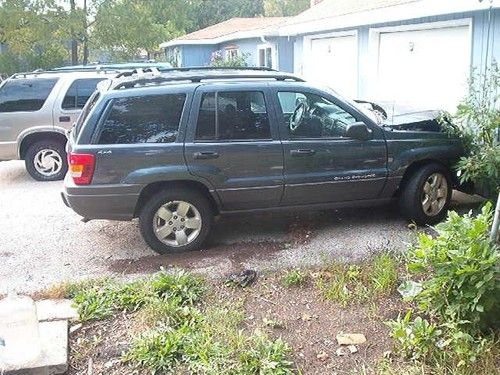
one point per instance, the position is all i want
(43, 242)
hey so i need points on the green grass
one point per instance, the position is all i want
(346, 284)
(294, 277)
(183, 330)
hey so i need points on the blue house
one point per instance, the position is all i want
(419, 52)
(254, 39)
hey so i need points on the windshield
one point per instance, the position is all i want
(365, 109)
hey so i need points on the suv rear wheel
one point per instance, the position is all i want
(426, 197)
(176, 220)
(46, 160)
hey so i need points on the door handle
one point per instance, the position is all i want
(203, 155)
(64, 118)
(302, 152)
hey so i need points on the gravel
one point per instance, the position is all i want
(42, 242)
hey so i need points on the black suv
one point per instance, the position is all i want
(177, 148)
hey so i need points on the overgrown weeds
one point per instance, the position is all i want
(181, 334)
(294, 277)
(346, 284)
(456, 298)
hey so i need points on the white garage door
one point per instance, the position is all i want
(425, 68)
(333, 62)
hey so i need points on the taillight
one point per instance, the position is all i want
(81, 168)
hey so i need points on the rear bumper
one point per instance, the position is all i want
(116, 202)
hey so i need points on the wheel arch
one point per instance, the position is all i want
(418, 164)
(154, 187)
(30, 138)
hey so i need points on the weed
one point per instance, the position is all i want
(294, 277)
(346, 284)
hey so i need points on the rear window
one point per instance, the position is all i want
(143, 119)
(79, 92)
(25, 95)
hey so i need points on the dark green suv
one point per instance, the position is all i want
(177, 148)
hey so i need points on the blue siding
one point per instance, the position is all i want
(196, 55)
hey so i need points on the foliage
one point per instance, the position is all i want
(284, 8)
(182, 335)
(346, 284)
(463, 264)
(477, 123)
(458, 293)
(294, 277)
(100, 299)
(218, 60)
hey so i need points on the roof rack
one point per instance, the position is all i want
(195, 78)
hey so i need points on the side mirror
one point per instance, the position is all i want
(359, 131)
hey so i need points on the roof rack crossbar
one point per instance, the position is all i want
(198, 78)
(191, 68)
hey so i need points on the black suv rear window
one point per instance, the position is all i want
(79, 92)
(25, 95)
(143, 119)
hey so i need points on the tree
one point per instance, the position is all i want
(284, 8)
(35, 32)
(123, 28)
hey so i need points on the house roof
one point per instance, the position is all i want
(348, 14)
(334, 8)
(234, 28)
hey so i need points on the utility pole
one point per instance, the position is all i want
(85, 35)
(74, 42)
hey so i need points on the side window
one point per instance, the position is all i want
(79, 92)
(312, 116)
(233, 115)
(143, 119)
(25, 95)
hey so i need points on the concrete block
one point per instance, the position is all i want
(54, 358)
(55, 309)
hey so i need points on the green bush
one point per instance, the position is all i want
(477, 123)
(464, 282)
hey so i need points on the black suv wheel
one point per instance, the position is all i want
(176, 220)
(426, 196)
(46, 160)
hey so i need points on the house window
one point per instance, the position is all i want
(266, 58)
(231, 53)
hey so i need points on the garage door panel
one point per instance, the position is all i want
(427, 68)
(333, 62)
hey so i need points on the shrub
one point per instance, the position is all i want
(464, 282)
(218, 60)
(477, 123)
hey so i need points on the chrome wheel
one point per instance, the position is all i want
(48, 162)
(177, 223)
(434, 194)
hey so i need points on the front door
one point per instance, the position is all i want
(233, 144)
(322, 164)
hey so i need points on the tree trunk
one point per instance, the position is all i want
(85, 38)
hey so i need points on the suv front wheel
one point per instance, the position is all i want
(46, 160)
(426, 197)
(176, 220)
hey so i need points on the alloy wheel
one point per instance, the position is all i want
(177, 223)
(48, 162)
(434, 194)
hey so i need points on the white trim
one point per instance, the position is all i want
(264, 32)
(402, 12)
(374, 44)
(274, 54)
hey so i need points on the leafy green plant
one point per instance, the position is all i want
(417, 338)
(477, 123)
(294, 277)
(463, 283)
(239, 61)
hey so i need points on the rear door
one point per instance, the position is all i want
(322, 164)
(233, 144)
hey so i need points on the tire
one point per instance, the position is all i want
(171, 201)
(413, 201)
(46, 160)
